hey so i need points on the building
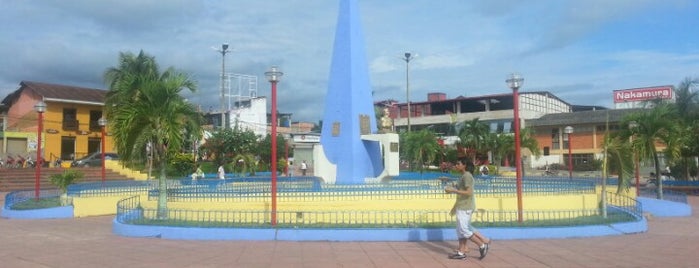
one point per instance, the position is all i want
(541, 111)
(70, 126)
(585, 140)
(441, 114)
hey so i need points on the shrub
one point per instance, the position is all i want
(68, 177)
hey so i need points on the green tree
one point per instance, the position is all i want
(226, 144)
(619, 158)
(474, 137)
(684, 141)
(421, 147)
(652, 126)
(145, 107)
(264, 151)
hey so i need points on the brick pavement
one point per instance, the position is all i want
(89, 242)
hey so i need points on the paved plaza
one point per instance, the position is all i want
(89, 242)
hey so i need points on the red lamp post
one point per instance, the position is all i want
(103, 123)
(273, 76)
(40, 108)
(569, 131)
(515, 82)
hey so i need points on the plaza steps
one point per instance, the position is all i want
(14, 179)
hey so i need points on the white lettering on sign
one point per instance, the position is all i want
(643, 94)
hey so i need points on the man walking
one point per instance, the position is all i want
(463, 209)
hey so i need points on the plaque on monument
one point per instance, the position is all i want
(336, 129)
(364, 124)
(394, 147)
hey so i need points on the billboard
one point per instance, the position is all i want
(643, 94)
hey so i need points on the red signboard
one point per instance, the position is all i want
(643, 94)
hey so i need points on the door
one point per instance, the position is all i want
(68, 148)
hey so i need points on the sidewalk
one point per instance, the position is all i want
(89, 242)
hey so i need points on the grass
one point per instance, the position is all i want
(46, 202)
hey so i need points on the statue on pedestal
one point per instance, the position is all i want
(386, 122)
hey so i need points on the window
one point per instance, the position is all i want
(70, 121)
(555, 139)
(94, 118)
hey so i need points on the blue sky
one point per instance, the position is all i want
(579, 50)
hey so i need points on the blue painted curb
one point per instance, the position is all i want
(664, 208)
(44, 213)
(373, 234)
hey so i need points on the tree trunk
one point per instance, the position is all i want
(162, 194)
(657, 175)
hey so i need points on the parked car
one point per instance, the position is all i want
(93, 160)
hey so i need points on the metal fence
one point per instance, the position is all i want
(131, 211)
(16, 197)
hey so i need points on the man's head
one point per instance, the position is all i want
(462, 164)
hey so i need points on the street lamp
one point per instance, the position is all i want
(515, 82)
(632, 126)
(569, 131)
(223, 51)
(40, 108)
(407, 58)
(273, 76)
(102, 122)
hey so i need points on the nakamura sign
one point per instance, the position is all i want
(642, 94)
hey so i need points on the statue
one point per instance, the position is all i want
(386, 122)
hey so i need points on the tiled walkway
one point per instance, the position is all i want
(89, 242)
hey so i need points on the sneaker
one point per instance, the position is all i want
(484, 250)
(457, 256)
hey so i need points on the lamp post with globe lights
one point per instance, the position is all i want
(515, 82)
(102, 122)
(223, 51)
(40, 108)
(273, 76)
(569, 132)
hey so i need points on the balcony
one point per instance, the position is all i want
(71, 125)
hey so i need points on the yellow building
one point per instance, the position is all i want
(70, 122)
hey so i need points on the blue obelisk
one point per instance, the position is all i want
(349, 108)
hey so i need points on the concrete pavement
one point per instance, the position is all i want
(89, 242)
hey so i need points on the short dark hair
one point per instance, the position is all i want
(469, 165)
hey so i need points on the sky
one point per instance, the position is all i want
(581, 51)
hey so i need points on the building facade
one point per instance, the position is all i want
(70, 122)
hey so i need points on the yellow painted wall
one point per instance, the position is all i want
(53, 120)
(327, 209)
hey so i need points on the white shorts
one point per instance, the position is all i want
(463, 224)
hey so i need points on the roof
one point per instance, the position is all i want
(584, 117)
(60, 93)
(482, 97)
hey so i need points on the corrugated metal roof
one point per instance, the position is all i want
(584, 117)
(61, 93)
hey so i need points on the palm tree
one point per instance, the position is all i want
(652, 126)
(146, 107)
(619, 158)
(125, 79)
(474, 136)
(421, 147)
(686, 109)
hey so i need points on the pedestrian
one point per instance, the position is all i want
(221, 172)
(304, 167)
(463, 208)
(198, 173)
